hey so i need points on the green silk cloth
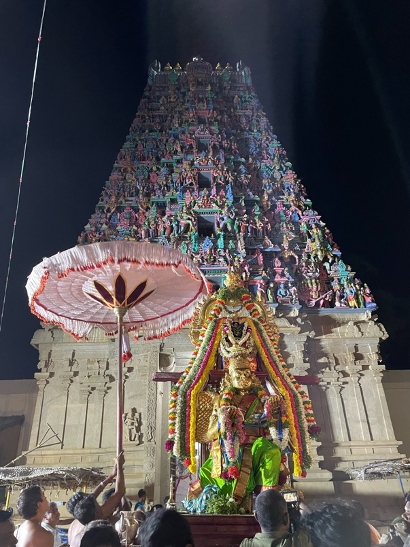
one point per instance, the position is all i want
(266, 458)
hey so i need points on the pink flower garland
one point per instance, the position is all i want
(230, 427)
(288, 389)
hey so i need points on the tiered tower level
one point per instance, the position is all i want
(202, 170)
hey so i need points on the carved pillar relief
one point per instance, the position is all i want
(42, 381)
(353, 404)
(150, 423)
(95, 412)
(375, 399)
(65, 381)
(85, 392)
(344, 354)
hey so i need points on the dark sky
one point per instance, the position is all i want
(333, 77)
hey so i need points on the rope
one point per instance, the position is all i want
(22, 166)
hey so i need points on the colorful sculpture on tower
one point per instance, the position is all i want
(251, 425)
(202, 170)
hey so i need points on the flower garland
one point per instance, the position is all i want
(313, 429)
(172, 415)
(182, 438)
(253, 311)
(297, 420)
(193, 379)
(173, 430)
(233, 435)
(177, 407)
(191, 398)
(280, 440)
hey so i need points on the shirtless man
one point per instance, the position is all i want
(32, 505)
(85, 508)
(7, 538)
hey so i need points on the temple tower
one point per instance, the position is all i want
(202, 170)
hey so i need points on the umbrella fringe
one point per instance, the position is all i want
(90, 257)
(97, 255)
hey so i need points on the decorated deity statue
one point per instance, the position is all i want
(241, 428)
(257, 415)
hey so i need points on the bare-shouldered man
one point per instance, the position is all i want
(85, 508)
(32, 505)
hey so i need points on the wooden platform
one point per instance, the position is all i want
(221, 530)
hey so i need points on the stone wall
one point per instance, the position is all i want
(396, 385)
(18, 398)
(77, 397)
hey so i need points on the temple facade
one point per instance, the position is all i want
(202, 170)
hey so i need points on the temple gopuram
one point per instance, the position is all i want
(202, 170)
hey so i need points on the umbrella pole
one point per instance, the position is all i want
(120, 311)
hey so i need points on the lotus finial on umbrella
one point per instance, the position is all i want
(117, 298)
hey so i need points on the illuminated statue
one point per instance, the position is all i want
(243, 417)
(250, 426)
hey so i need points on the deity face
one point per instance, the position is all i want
(236, 329)
(241, 378)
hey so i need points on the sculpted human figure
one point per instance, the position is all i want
(187, 220)
(131, 422)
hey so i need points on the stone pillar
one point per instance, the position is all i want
(66, 379)
(150, 429)
(37, 428)
(350, 405)
(82, 416)
(95, 414)
(294, 333)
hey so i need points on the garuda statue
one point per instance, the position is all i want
(248, 426)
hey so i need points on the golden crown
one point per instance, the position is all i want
(239, 362)
(233, 280)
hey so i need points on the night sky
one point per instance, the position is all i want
(333, 78)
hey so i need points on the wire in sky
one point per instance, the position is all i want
(22, 165)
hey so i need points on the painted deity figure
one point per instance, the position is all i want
(187, 220)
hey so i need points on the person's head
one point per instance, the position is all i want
(52, 516)
(271, 511)
(100, 534)
(407, 504)
(83, 507)
(156, 507)
(166, 528)
(142, 495)
(336, 525)
(399, 525)
(406, 514)
(32, 503)
(359, 508)
(7, 538)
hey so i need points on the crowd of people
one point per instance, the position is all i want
(337, 523)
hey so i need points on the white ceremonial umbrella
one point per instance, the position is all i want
(117, 285)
